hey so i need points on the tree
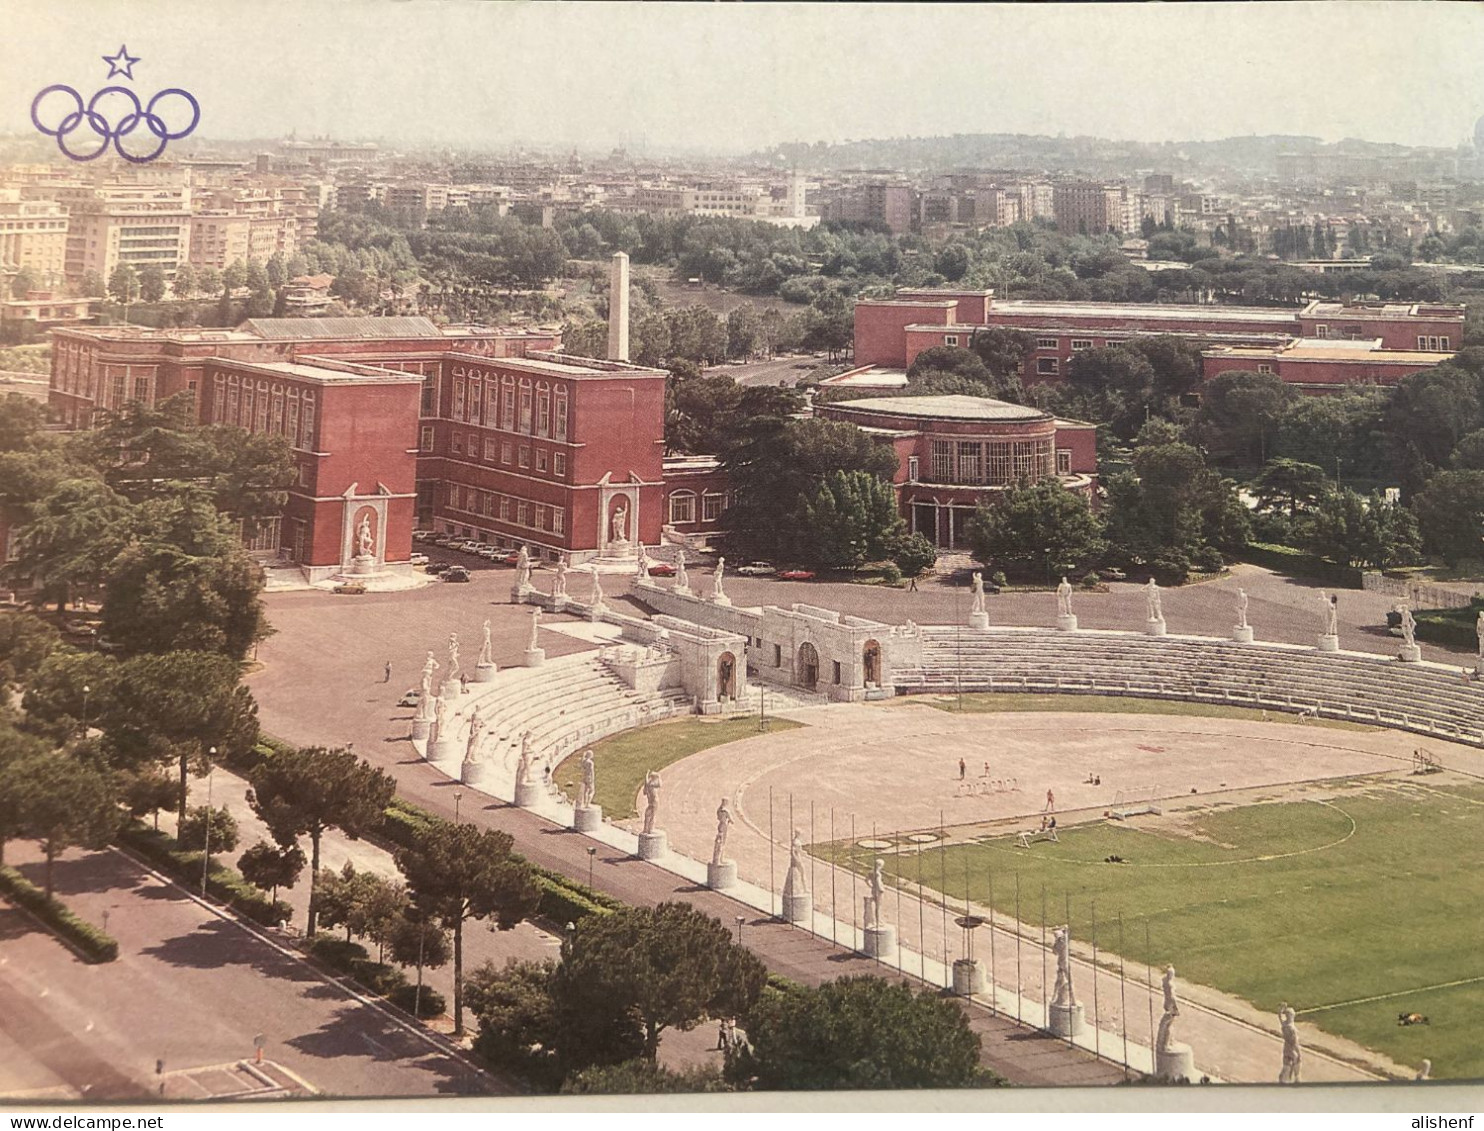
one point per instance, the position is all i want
(1171, 508)
(518, 1022)
(23, 281)
(1361, 532)
(460, 872)
(668, 966)
(1289, 485)
(1450, 513)
(274, 271)
(1239, 411)
(1003, 351)
(74, 536)
(209, 281)
(185, 283)
(25, 643)
(915, 555)
(235, 275)
(952, 262)
(1427, 416)
(308, 791)
(272, 866)
(123, 284)
(145, 790)
(643, 1077)
(55, 701)
(1034, 529)
(849, 519)
(418, 939)
(857, 1032)
(949, 359)
(63, 802)
(192, 832)
(152, 283)
(17, 748)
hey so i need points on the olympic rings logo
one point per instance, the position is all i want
(103, 133)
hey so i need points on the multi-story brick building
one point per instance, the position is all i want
(1089, 207)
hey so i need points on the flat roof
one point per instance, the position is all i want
(334, 328)
(326, 371)
(1147, 312)
(557, 364)
(1332, 351)
(953, 407)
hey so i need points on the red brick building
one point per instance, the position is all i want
(955, 451)
(892, 332)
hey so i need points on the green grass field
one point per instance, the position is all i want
(622, 760)
(1379, 894)
(989, 702)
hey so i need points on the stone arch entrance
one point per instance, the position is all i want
(806, 670)
(726, 676)
(871, 662)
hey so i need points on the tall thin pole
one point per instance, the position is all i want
(1122, 994)
(1149, 989)
(921, 922)
(994, 1007)
(812, 840)
(1045, 994)
(772, 841)
(897, 868)
(1069, 955)
(1019, 985)
(854, 903)
(834, 872)
(1097, 1043)
(206, 855)
(943, 866)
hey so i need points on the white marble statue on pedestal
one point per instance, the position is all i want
(876, 887)
(718, 593)
(587, 786)
(723, 823)
(441, 716)
(1293, 1053)
(619, 526)
(523, 569)
(978, 591)
(1064, 598)
(535, 642)
(1242, 608)
(1153, 600)
(597, 601)
(365, 540)
(641, 566)
(1479, 632)
(559, 584)
(425, 698)
(476, 727)
(1061, 947)
(682, 582)
(652, 785)
(796, 882)
(1409, 625)
(453, 655)
(523, 763)
(1330, 612)
(486, 649)
(1162, 1041)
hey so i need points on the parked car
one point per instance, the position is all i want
(419, 559)
(796, 575)
(756, 569)
(411, 697)
(1111, 574)
(354, 588)
(467, 546)
(422, 535)
(456, 573)
(510, 558)
(661, 569)
(489, 553)
(438, 567)
(445, 539)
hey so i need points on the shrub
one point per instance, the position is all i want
(338, 954)
(164, 852)
(94, 944)
(378, 977)
(1090, 580)
(890, 574)
(1170, 568)
(192, 831)
(1208, 559)
(998, 578)
(405, 998)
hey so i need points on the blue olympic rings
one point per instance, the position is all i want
(114, 134)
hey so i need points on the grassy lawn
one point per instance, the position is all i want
(1379, 893)
(622, 760)
(993, 701)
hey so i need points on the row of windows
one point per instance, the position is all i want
(1436, 345)
(524, 406)
(683, 506)
(495, 450)
(260, 407)
(519, 512)
(995, 463)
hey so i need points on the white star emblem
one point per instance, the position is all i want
(122, 63)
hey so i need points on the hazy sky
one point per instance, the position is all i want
(740, 76)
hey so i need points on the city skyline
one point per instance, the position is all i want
(673, 76)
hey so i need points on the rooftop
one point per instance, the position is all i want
(954, 407)
(325, 371)
(1145, 312)
(285, 329)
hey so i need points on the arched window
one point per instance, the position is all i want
(682, 507)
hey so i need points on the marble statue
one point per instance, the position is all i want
(476, 726)
(1061, 946)
(429, 667)
(796, 883)
(589, 783)
(1153, 600)
(559, 586)
(453, 655)
(723, 823)
(441, 716)
(978, 583)
(717, 592)
(486, 649)
(365, 540)
(523, 568)
(683, 582)
(1171, 1011)
(1409, 625)
(652, 785)
(1293, 1054)
(1064, 598)
(535, 629)
(1241, 608)
(1331, 614)
(1479, 632)
(597, 588)
(641, 568)
(620, 524)
(876, 886)
(523, 765)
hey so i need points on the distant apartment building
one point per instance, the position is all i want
(140, 225)
(891, 203)
(33, 235)
(1090, 207)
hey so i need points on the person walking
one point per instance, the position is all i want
(963, 769)
(912, 584)
(388, 677)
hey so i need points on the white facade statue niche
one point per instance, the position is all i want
(365, 539)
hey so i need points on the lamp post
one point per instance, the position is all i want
(458, 795)
(86, 691)
(206, 854)
(591, 853)
(740, 920)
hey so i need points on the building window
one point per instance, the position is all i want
(430, 392)
(560, 429)
(522, 512)
(558, 520)
(837, 671)
(543, 409)
(1063, 461)
(1321, 331)
(525, 407)
(262, 406)
(473, 405)
(491, 449)
(1264, 367)
(458, 398)
(277, 425)
(525, 456)
(559, 463)
(1443, 344)
(307, 424)
(1000, 468)
(454, 496)
(712, 504)
(486, 503)
(970, 463)
(247, 406)
(504, 508)
(942, 461)
(540, 516)
(1046, 343)
(682, 507)
(293, 418)
(427, 438)
(1047, 366)
(506, 452)
(456, 443)
(1081, 343)
(950, 339)
(778, 655)
(507, 413)
(912, 464)
(540, 459)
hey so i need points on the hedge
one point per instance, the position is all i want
(225, 884)
(94, 944)
(1457, 627)
(353, 960)
(405, 998)
(1297, 563)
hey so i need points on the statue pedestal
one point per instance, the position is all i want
(559, 602)
(798, 908)
(421, 727)
(595, 612)
(880, 943)
(1479, 666)
(721, 876)
(483, 673)
(979, 620)
(443, 748)
(968, 977)
(1242, 634)
(1067, 1020)
(1155, 627)
(652, 845)
(1410, 654)
(1329, 643)
(362, 564)
(1174, 1063)
(527, 793)
(535, 657)
(683, 590)
(720, 599)
(587, 818)
(474, 773)
(519, 593)
(1066, 622)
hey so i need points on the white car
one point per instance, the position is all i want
(419, 559)
(756, 569)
